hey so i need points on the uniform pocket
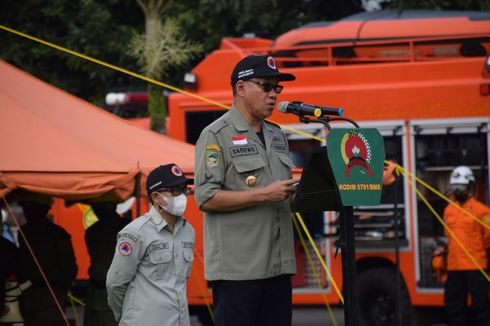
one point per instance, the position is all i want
(188, 259)
(248, 163)
(160, 257)
(161, 263)
(188, 256)
(284, 158)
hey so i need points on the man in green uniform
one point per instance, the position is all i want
(146, 282)
(100, 238)
(243, 182)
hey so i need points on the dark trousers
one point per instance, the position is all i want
(253, 303)
(458, 285)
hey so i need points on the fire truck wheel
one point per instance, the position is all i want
(378, 298)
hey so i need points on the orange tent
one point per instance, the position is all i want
(54, 143)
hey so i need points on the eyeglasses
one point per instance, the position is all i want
(177, 191)
(267, 87)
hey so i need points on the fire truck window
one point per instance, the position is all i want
(376, 226)
(195, 122)
(436, 157)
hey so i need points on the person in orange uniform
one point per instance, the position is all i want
(463, 276)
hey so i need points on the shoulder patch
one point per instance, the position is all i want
(125, 248)
(214, 147)
(213, 157)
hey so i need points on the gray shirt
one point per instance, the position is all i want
(146, 283)
(255, 242)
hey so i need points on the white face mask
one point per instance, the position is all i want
(175, 205)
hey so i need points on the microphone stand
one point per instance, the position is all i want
(345, 241)
(325, 120)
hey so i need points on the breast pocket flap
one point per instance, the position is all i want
(188, 255)
(160, 257)
(286, 160)
(249, 163)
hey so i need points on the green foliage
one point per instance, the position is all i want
(98, 28)
(171, 49)
(103, 29)
(215, 19)
(161, 47)
(477, 5)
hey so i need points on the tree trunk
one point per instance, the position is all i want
(157, 108)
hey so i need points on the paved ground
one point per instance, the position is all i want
(320, 317)
(306, 317)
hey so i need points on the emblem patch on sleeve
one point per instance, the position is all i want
(213, 153)
(125, 248)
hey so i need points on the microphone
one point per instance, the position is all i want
(301, 108)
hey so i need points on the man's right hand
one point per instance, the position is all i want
(279, 190)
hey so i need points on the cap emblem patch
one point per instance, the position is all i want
(176, 171)
(271, 62)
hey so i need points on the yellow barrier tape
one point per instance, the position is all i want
(74, 298)
(453, 236)
(108, 65)
(319, 255)
(315, 274)
(75, 310)
(150, 80)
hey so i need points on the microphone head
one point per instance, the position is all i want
(282, 107)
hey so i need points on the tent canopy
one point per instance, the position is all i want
(56, 144)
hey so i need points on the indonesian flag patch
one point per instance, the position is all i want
(239, 140)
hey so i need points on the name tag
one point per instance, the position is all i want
(280, 147)
(187, 244)
(243, 150)
(158, 246)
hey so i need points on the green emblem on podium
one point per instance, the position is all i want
(357, 160)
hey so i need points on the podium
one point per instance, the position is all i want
(346, 172)
(317, 190)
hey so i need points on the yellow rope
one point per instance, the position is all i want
(74, 298)
(319, 255)
(150, 80)
(313, 268)
(108, 65)
(453, 236)
(75, 311)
